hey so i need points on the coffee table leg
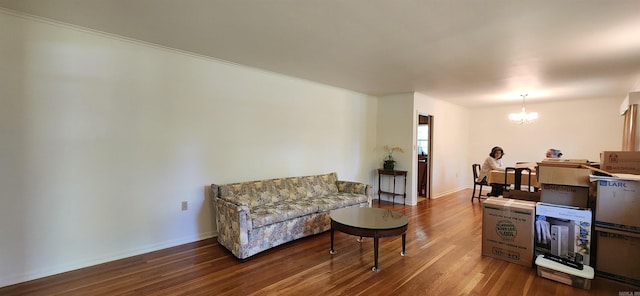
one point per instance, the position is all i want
(332, 251)
(404, 240)
(375, 254)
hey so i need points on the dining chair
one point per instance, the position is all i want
(476, 173)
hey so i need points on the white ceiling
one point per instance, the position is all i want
(471, 52)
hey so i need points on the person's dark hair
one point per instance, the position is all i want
(494, 150)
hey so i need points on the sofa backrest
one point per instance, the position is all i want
(259, 192)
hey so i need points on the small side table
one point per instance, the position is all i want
(392, 173)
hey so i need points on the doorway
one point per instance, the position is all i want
(424, 148)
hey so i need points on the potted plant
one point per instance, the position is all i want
(389, 162)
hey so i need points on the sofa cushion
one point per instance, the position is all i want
(320, 185)
(270, 213)
(339, 200)
(250, 193)
(262, 192)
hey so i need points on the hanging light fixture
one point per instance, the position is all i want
(523, 116)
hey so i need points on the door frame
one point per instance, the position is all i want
(430, 123)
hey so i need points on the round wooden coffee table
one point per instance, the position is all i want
(369, 222)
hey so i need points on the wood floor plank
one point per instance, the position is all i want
(443, 257)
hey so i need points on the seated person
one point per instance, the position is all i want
(553, 153)
(493, 162)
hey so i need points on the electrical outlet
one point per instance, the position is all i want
(185, 205)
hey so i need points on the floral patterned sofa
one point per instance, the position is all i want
(254, 216)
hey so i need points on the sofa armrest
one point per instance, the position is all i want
(356, 188)
(352, 187)
(232, 224)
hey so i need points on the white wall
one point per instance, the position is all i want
(397, 126)
(450, 144)
(394, 128)
(102, 138)
(581, 129)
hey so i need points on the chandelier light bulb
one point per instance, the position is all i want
(523, 116)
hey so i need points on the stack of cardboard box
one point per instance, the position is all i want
(519, 231)
(580, 217)
(564, 233)
(564, 183)
(559, 225)
(565, 217)
(617, 217)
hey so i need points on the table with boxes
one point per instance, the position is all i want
(584, 225)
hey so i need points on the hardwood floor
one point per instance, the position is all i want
(443, 258)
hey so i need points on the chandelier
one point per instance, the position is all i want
(523, 116)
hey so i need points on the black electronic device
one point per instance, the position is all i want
(564, 261)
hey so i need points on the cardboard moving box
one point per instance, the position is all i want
(627, 162)
(563, 231)
(618, 203)
(618, 255)
(521, 195)
(507, 230)
(560, 175)
(565, 195)
(564, 161)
